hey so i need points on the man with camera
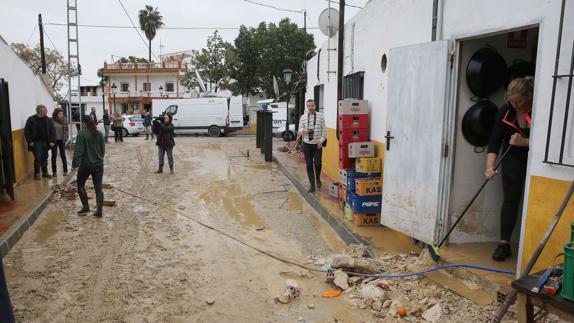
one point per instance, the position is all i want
(312, 129)
(164, 130)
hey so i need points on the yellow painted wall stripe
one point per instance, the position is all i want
(544, 199)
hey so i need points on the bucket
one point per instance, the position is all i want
(568, 278)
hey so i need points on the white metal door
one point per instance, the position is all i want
(416, 112)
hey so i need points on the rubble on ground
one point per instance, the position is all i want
(291, 292)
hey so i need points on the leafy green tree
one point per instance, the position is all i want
(150, 21)
(263, 52)
(211, 62)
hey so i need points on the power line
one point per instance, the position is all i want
(273, 7)
(162, 28)
(50, 39)
(136, 29)
(346, 4)
(31, 35)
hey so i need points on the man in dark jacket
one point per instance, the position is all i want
(165, 143)
(40, 135)
(107, 125)
(93, 115)
(147, 121)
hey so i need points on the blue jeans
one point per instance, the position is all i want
(40, 151)
(161, 153)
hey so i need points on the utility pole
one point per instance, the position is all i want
(305, 20)
(341, 51)
(42, 53)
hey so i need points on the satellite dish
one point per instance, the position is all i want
(329, 22)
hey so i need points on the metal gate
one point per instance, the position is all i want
(7, 173)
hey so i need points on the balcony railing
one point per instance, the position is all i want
(135, 66)
(144, 94)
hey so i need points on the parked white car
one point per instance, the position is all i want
(133, 125)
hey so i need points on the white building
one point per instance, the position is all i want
(413, 73)
(131, 87)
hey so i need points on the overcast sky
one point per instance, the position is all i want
(18, 18)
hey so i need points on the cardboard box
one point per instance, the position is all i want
(361, 149)
(369, 186)
(334, 190)
(351, 176)
(369, 165)
(365, 204)
(353, 135)
(353, 106)
(363, 219)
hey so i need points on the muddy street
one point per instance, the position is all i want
(149, 260)
(144, 262)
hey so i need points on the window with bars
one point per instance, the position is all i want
(146, 87)
(353, 86)
(124, 87)
(169, 86)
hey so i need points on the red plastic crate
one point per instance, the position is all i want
(344, 160)
(354, 121)
(353, 135)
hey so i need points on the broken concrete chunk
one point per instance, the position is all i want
(341, 280)
(210, 301)
(290, 292)
(387, 303)
(310, 306)
(433, 314)
(358, 265)
(373, 293)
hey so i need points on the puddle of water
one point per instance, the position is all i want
(48, 227)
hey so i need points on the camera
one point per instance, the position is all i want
(311, 133)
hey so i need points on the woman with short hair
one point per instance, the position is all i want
(511, 128)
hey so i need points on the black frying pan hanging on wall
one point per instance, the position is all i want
(478, 122)
(486, 72)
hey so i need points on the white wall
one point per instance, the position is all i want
(376, 30)
(26, 89)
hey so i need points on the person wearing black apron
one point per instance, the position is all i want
(314, 137)
(511, 127)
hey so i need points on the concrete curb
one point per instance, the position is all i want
(12, 236)
(344, 233)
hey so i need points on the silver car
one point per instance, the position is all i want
(133, 125)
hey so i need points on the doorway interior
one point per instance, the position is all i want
(478, 233)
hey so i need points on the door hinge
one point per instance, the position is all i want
(445, 151)
(451, 60)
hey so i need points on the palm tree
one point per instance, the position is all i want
(150, 22)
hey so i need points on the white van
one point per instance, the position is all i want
(208, 115)
(279, 110)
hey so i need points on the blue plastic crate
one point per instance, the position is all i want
(365, 204)
(352, 175)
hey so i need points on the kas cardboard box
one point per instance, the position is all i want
(369, 186)
(363, 219)
(361, 149)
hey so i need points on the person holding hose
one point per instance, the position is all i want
(89, 152)
(511, 128)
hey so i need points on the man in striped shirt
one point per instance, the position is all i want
(312, 128)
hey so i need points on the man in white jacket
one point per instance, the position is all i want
(312, 128)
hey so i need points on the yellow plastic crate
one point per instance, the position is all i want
(368, 165)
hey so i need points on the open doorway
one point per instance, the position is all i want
(478, 233)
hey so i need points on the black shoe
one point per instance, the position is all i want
(502, 252)
(46, 175)
(84, 211)
(98, 213)
(37, 177)
(318, 184)
(159, 171)
(311, 190)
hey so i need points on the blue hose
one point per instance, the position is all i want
(496, 270)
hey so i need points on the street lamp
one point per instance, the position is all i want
(114, 87)
(102, 84)
(161, 91)
(287, 135)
